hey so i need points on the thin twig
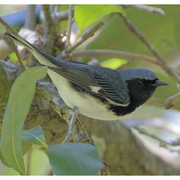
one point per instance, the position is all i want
(16, 51)
(143, 131)
(169, 148)
(158, 56)
(56, 9)
(94, 62)
(60, 16)
(146, 8)
(117, 54)
(168, 103)
(6, 25)
(82, 39)
(155, 123)
(30, 22)
(85, 36)
(67, 44)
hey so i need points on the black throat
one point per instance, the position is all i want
(124, 110)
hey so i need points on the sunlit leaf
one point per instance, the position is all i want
(113, 63)
(86, 15)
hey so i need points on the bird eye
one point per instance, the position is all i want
(140, 83)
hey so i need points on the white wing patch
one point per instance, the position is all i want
(95, 88)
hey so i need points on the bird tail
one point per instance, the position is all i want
(43, 58)
(20, 40)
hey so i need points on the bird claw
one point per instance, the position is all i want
(63, 110)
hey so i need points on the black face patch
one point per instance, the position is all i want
(140, 90)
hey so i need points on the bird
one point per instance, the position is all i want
(94, 91)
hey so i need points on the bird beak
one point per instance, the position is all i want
(160, 83)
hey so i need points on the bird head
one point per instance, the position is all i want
(141, 83)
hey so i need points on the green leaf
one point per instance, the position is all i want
(74, 159)
(2, 158)
(86, 15)
(163, 32)
(62, 24)
(35, 136)
(25, 148)
(21, 95)
(113, 63)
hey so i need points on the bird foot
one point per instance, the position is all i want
(71, 126)
(63, 110)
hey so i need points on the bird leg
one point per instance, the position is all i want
(71, 125)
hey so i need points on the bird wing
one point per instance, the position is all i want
(98, 85)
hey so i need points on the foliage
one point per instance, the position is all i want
(74, 158)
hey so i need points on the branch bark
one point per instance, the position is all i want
(127, 155)
(30, 22)
(118, 54)
(168, 103)
(49, 33)
(145, 8)
(67, 44)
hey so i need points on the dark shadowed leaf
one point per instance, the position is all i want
(74, 159)
(35, 136)
(162, 31)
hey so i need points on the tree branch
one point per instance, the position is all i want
(144, 132)
(158, 56)
(154, 122)
(30, 22)
(6, 25)
(169, 148)
(17, 53)
(168, 103)
(60, 16)
(146, 8)
(117, 54)
(119, 162)
(49, 31)
(67, 44)
(82, 39)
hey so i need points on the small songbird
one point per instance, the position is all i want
(94, 91)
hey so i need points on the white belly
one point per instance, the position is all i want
(86, 105)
